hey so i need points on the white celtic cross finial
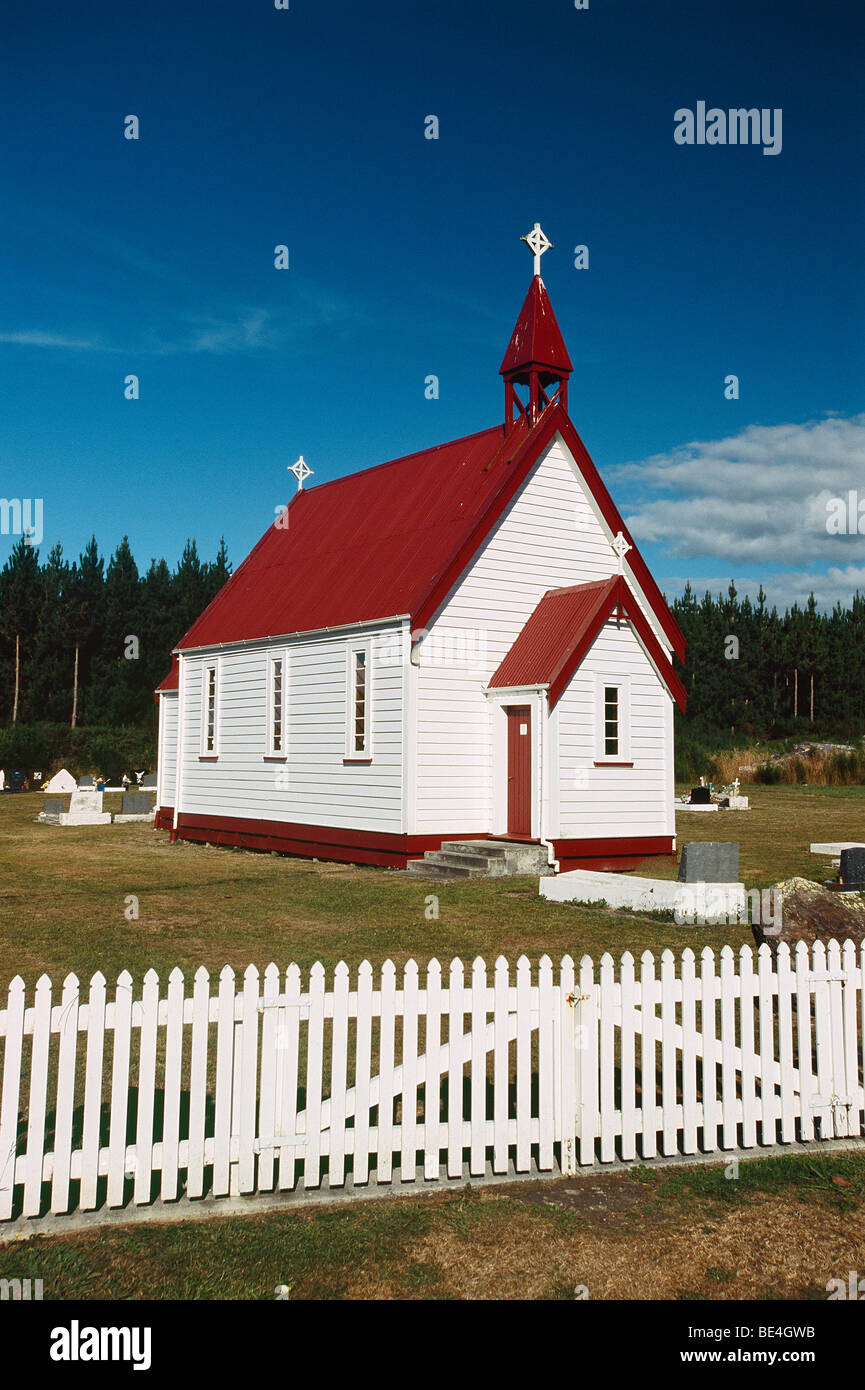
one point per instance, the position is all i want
(538, 243)
(621, 547)
(301, 471)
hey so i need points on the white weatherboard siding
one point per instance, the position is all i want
(167, 774)
(613, 802)
(550, 537)
(314, 785)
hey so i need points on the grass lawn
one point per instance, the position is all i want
(63, 897)
(781, 1230)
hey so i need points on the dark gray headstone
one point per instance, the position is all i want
(700, 796)
(709, 861)
(135, 804)
(86, 782)
(149, 780)
(852, 870)
(53, 806)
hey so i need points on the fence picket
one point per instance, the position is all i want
(690, 1112)
(248, 1080)
(822, 1043)
(709, 1045)
(338, 1064)
(747, 995)
(222, 1107)
(408, 1148)
(171, 1106)
(767, 1045)
(728, 1049)
(92, 1120)
(587, 1039)
(607, 1059)
(524, 1065)
(500, 1066)
(63, 1115)
(122, 1021)
(10, 1091)
(270, 1077)
(38, 1093)
(314, 1058)
(287, 1097)
(362, 1073)
(786, 1091)
(628, 1070)
(432, 1075)
(669, 1107)
(456, 1015)
(545, 1063)
(804, 1042)
(198, 1083)
(146, 1087)
(648, 1075)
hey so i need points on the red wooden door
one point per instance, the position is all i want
(519, 770)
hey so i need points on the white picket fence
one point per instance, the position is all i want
(267, 1086)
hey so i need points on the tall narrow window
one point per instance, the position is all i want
(611, 721)
(277, 705)
(360, 702)
(209, 740)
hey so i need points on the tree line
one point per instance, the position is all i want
(86, 643)
(752, 671)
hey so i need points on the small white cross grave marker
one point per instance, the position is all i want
(301, 471)
(621, 547)
(538, 243)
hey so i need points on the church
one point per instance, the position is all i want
(462, 644)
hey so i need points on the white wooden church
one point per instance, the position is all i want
(463, 644)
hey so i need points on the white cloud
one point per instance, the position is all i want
(756, 497)
(34, 338)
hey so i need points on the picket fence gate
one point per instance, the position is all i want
(265, 1086)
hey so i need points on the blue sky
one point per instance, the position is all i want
(305, 127)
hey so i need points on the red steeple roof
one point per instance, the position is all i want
(536, 343)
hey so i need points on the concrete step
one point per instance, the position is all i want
(460, 859)
(433, 866)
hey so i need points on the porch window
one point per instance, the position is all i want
(611, 721)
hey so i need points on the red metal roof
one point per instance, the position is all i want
(537, 340)
(560, 631)
(362, 547)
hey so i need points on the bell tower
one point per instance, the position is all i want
(537, 358)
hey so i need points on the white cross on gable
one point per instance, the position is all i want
(301, 471)
(621, 547)
(538, 243)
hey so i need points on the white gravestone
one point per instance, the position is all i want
(85, 808)
(61, 782)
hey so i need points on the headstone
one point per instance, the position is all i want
(85, 808)
(135, 804)
(738, 803)
(700, 796)
(61, 782)
(852, 871)
(86, 782)
(709, 861)
(53, 805)
(149, 780)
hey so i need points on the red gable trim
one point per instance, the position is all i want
(553, 420)
(561, 630)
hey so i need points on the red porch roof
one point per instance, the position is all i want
(560, 631)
